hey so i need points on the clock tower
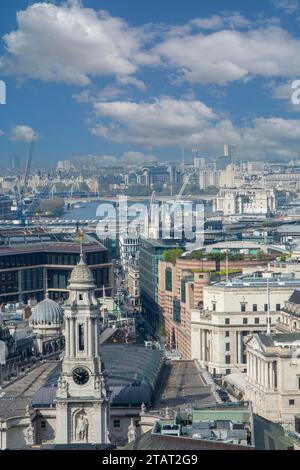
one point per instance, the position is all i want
(82, 404)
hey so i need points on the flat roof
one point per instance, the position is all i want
(50, 247)
(254, 281)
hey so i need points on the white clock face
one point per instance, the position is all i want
(80, 376)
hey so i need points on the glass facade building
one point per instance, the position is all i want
(150, 253)
(27, 270)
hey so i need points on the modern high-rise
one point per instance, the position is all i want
(230, 151)
(15, 162)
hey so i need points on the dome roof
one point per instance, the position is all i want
(81, 276)
(47, 311)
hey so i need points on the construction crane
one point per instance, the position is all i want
(28, 163)
(20, 189)
(186, 179)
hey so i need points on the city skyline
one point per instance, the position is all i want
(149, 80)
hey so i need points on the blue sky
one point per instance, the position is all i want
(114, 78)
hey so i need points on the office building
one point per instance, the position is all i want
(15, 162)
(150, 253)
(230, 151)
(34, 261)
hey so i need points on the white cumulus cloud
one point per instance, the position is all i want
(167, 122)
(227, 55)
(23, 134)
(70, 43)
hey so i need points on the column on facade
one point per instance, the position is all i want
(89, 331)
(67, 336)
(201, 345)
(270, 375)
(72, 336)
(266, 375)
(256, 370)
(250, 365)
(96, 341)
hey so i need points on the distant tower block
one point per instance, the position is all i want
(230, 151)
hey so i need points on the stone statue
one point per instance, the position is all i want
(82, 428)
(132, 434)
(143, 409)
(97, 383)
(62, 385)
(167, 412)
(29, 435)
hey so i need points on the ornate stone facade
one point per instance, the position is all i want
(81, 400)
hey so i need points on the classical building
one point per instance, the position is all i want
(47, 325)
(273, 367)
(273, 376)
(82, 404)
(129, 247)
(245, 201)
(133, 283)
(68, 403)
(232, 310)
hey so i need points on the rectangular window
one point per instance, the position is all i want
(227, 359)
(243, 307)
(245, 321)
(228, 371)
(117, 423)
(43, 424)
(256, 321)
(254, 308)
(227, 321)
(176, 310)
(214, 306)
(168, 279)
(227, 347)
(227, 333)
(291, 402)
(278, 307)
(299, 383)
(81, 337)
(266, 307)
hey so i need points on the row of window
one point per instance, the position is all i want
(245, 321)
(254, 307)
(228, 359)
(67, 259)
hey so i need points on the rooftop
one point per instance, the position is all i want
(221, 426)
(260, 281)
(132, 372)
